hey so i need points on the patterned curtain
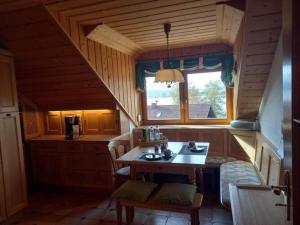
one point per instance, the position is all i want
(211, 61)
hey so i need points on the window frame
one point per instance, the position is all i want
(184, 109)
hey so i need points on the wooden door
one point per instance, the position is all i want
(8, 93)
(291, 103)
(53, 122)
(13, 162)
(2, 196)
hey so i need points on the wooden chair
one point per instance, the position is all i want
(118, 148)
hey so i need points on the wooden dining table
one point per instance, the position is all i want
(181, 164)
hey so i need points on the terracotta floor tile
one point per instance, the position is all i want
(72, 209)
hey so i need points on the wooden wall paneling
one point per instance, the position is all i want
(172, 135)
(216, 140)
(98, 57)
(120, 77)
(261, 30)
(115, 74)
(123, 63)
(110, 69)
(91, 52)
(53, 122)
(83, 42)
(104, 65)
(128, 84)
(134, 107)
(31, 120)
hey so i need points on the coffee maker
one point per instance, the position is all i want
(72, 124)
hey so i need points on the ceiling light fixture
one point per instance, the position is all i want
(168, 75)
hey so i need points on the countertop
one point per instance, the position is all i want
(101, 138)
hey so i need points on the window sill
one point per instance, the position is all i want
(187, 126)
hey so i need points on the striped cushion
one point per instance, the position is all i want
(236, 172)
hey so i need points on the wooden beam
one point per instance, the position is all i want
(107, 36)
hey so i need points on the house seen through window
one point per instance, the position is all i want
(202, 96)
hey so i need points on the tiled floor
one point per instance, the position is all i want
(73, 209)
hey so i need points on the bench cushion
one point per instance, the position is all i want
(236, 172)
(133, 190)
(175, 193)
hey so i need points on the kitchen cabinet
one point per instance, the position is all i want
(92, 122)
(8, 93)
(2, 196)
(12, 163)
(53, 122)
(76, 163)
(13, 197)
(101, 122)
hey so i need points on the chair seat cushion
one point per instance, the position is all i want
(236, 172)
(133, 190)
(175, 193)
(124, 171)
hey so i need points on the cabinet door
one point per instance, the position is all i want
(92, 122)
(13, 162)
(110, 122)
(8, 93)
(53, 122)
(48, 168)
(2, 196)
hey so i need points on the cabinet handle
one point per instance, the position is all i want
(296, 121)
(8, 114)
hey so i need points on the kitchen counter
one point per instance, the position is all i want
(98, 138)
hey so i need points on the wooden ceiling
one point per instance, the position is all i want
(50, 71)
(194, 22)
(255, 48)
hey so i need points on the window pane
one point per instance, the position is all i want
(206, 96)
(163, 103)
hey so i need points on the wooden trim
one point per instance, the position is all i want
(184, 110)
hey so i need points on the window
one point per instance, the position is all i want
(206, 96)
(162, 103)
(201, 99)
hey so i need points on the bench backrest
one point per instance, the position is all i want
(267, 162)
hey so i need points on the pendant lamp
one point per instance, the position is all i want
(168, 75)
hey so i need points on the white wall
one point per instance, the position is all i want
(271, 108)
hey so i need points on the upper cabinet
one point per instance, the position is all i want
(8, 93)
(92, 121)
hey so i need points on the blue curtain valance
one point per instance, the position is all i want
(208, 61)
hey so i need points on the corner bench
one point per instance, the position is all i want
(193, 209)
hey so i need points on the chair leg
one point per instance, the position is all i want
(119, 213)
(129, 215)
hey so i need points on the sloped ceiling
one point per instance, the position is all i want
(49, 69)
(193, 22)
(255, 50)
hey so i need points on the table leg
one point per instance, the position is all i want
(192, 176)
(133, 172)
(119, 213)
(201, 179)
